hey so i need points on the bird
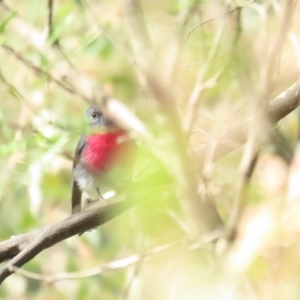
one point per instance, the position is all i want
(103, 161)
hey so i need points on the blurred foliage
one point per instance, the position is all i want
(40, 124)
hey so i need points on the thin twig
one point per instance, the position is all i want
(259, 126)
(37, 70)
(111, 266)
(74, 83)
(50, 18)
(72, 79)
(215, 18)
(103, 30)
(201, 85)
(234, 137)
(201, 215)
(175, 45)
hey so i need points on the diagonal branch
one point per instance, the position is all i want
(25, 247)
(66, 75)
(110, 266)
(235, 137)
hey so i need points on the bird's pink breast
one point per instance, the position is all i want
(103, 150)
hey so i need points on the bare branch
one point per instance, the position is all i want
(37, 70)
(137, 30)
(175, 49)
(25, 247)
(50, 18)
(237, 8)
(111, 266)
(67, 77)
(234, 137)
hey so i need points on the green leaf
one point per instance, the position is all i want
(6, 21)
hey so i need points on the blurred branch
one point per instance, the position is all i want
(24, 247)
(13, 90)
(201, 215)
(282, 145)
(111, 266)
(137, 30)
(247, 167)
(230, 11)
(175, 48)
(234, 137)
(122, 46)
(67, 76)
(37, 70)
(293, 188)
(50, 18)
(81, 86)
(201, 85)
(259, 126)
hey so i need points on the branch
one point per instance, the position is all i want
(66, 75)
(110, 266)
(201, 215)
(50, 18)
(23, 248)
(235, 9)
(234, 137)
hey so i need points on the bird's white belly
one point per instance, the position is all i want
(98, 186)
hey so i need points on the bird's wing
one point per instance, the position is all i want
(76, 192)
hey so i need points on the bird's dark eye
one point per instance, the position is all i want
(94, 115)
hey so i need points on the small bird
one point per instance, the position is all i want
(103, 160)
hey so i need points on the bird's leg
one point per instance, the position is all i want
(101, 198)
(90, 201)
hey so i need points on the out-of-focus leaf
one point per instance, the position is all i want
(4, 23)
